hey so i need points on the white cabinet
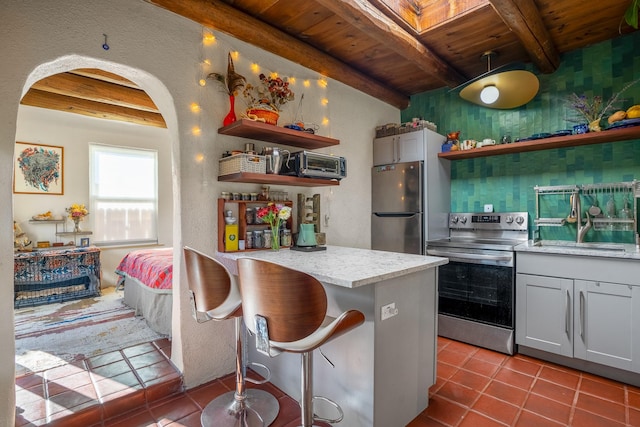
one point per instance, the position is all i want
(406, 147)
(544, 318)
(592, 320)
(606, 319)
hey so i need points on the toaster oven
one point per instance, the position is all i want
(309, 164)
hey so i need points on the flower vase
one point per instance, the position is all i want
(275, 237)
(231, 117)
(76, 225)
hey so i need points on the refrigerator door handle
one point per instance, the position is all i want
(395, 215)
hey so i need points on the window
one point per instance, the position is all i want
(123, 193)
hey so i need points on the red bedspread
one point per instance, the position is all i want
(153, 267)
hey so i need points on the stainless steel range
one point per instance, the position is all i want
(477, 287)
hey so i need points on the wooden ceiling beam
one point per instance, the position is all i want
(220, 16)
(53, 101)
(386, 31)
(96, 90)
(524, 19)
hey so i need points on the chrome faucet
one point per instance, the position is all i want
(581, 229)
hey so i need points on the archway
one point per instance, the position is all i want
(150, 84)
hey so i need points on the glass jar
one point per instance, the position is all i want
(249, 240)
(267, 239)
(258, 239)
(285, 237)
(257, 219)
(250, 215)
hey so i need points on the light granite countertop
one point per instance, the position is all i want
(341, 266)
(564, 247)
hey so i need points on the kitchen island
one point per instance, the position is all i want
(384, 368)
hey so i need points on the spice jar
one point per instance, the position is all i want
(258, 239)
(285, 237)
(249, 240)
(267, 239)
(250, 215)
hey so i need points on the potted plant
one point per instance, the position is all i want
(266, 99)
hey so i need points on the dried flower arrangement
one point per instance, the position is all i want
(593, 109)
(232, 82)
(272, 92)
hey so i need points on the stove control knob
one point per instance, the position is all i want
(509, 219)
(519, 220)
(454, 219)
(463, 220)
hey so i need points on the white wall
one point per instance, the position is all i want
(162, 53)
(74, 132)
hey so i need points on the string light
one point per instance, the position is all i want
(322, 83)
(235, 55)
(208, 38)
(199, 158)
(195, 108)
(306, 83)
(202, 82)
(325, 121)
(255, 68)
(196, 131)
(324, 101)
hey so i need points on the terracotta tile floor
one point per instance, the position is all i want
(482, 388)
(138, 387)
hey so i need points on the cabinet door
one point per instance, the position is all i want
(384, 150)
(410, 147)
(544, 318)
(606, 319)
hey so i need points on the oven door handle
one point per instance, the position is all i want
(471, 257)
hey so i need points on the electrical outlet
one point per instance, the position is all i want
(388, 311)
(488, 208)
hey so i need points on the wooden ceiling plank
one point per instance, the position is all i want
(219, 16)
(106, 76)
(96, 90)
(53, 101)
(387, 32)
(524, 19)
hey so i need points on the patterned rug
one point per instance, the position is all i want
(54, 334)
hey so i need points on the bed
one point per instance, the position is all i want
(146, 276)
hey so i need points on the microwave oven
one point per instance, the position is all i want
(308, 164)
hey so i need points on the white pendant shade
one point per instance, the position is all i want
(489, 94)
(515, 88)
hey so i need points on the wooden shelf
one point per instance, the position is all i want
(74, 233)
(242, 220)
(246, 128)
(265, 178)
(612, 135)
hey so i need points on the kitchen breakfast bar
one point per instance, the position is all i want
(383, 368)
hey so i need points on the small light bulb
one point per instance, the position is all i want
(207, 62)
(235, 55)
(196, 131)
(291, 80)
(306, 83)
(489, 94)
(202, 82)
(322, 83)
(195, 108)
(324, 101)
(273, 75)
(325, 121)
(255, 68)
(199, 157)
(208, 39)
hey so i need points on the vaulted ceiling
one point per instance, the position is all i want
(390, 49)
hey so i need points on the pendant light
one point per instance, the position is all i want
(502, 88)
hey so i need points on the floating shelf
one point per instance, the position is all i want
(612, 135)
(246, 128)
(263, 178)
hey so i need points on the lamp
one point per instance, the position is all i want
(502, 88)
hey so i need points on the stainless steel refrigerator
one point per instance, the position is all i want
(411, 197)
(397, 208)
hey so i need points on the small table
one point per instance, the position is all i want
(56, 275)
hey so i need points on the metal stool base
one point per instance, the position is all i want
(225, 411)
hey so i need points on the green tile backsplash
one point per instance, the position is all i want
(507, 181)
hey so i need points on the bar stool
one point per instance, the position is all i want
(287, 311)
(215, 295)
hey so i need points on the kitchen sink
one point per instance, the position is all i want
(616, 247)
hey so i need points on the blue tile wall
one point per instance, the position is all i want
(507, 181)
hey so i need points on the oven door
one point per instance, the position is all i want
(477, 286)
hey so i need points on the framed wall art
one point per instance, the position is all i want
(38, 169)
(84, 242)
